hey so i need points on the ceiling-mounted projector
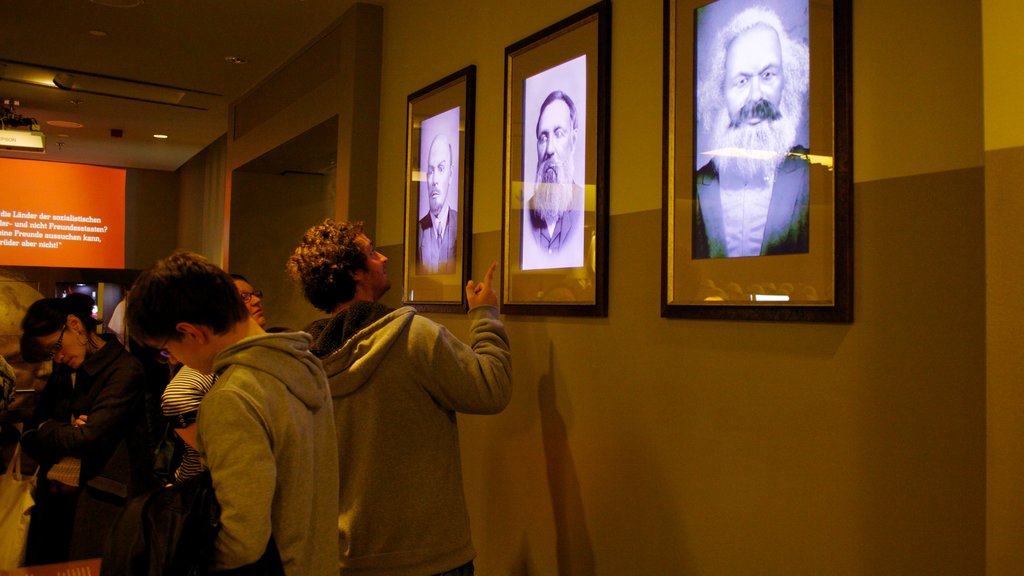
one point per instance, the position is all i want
(22, 140)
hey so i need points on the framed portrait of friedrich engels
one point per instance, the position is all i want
(439, 152)
(554, 255)
(758, 161)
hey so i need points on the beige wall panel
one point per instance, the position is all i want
(917, 88)
(1004, 57)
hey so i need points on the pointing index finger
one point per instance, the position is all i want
(490, 274)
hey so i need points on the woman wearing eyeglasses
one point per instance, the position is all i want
(88, 431)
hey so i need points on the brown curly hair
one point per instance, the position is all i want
(324, 261)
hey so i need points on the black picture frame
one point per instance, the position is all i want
(437, 258)
(554, 256)
(810, 280)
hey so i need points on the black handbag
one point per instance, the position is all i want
(169, 531)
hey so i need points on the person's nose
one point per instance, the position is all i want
(755, 89)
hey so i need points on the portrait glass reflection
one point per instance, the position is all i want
(554, 147)
(437, 230)
(752, 175)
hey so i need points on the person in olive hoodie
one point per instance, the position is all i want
(398, 379)
(265, 428)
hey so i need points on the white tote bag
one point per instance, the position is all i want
(16, 501)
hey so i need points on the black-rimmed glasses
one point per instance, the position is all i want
(246, 296)
(58, 344)
(162, 349)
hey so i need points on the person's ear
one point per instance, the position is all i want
(188, 330)
(75, 324)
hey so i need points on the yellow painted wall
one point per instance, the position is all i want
(1004, 54)
(918, 87)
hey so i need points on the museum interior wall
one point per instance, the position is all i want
(635, 444)
(1004, 211)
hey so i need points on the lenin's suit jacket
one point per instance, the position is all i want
(437, 255)
(785, 232)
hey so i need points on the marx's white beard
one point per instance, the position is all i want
(776, 137)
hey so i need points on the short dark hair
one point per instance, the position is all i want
(184, 287)
(46, 316)
(324, 261)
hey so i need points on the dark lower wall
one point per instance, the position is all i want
(1004, 213)
(640, 445)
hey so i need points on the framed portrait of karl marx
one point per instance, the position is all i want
(439, 175)
(758, 161)
(554, 227)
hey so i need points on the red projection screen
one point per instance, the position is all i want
(61, 215)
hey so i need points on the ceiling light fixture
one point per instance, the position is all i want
(114, 87)
(100, 85)
(160, 136)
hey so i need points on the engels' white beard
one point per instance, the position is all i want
(775, 136)
(552, 194)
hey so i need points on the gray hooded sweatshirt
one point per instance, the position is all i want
(397, 384)
(266, 432)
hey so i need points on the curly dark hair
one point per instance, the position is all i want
(324, 261)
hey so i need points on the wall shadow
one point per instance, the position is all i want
(573, 548)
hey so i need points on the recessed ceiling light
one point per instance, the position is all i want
(98, 33)
(160, 136)
(63, 124)
(235, 60)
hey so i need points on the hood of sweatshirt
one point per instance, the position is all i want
(351, 365)
(280, 355)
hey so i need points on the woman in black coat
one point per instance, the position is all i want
(90, 420)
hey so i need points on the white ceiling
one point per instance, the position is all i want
(172, 43)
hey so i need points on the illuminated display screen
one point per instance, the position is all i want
(61, 215)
